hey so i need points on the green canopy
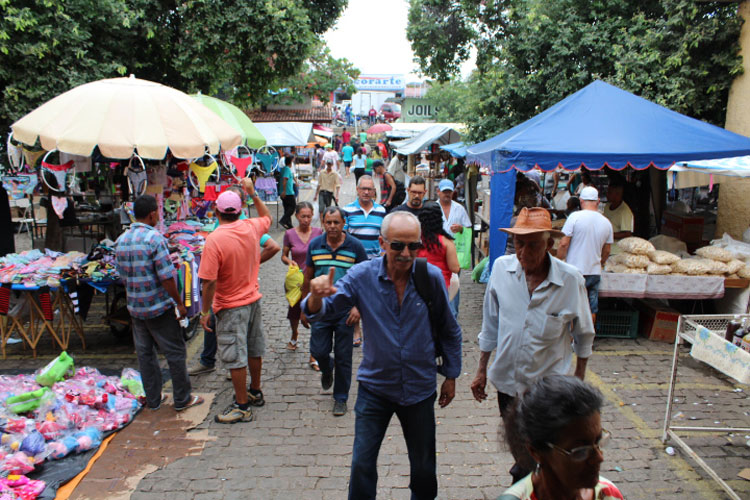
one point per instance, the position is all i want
(235, 117)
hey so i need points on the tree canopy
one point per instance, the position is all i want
(681, 54)
(238, 48)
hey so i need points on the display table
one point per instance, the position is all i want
(640, 286)
(32, 329)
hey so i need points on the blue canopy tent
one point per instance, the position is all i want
(598, 126)
(457, 149)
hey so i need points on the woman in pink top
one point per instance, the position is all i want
(437, 245)
(296, 240)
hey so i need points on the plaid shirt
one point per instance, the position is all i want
(143, 262)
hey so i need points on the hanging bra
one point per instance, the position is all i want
(59, 171)
(203, 173)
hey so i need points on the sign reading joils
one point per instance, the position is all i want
(390, 83)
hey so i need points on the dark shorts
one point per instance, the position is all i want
(347, 164)
(592, 287)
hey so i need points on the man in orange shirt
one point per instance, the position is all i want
(229, 270)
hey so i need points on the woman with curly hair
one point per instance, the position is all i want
(437, 245)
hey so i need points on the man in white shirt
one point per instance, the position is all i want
(532, 305)
(332, 155)
(455, 218)
(587, 242)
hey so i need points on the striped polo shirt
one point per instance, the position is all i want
(365, 227)
(321, 257)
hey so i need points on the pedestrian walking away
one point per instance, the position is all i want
(397, 373)
(587, 242)
(296, 241)
(143, 262)
(532, 305)
(335, 251)
(229, 270)
(288, 198)
(347, 156)
(392, 192)
(360, 164)
(437, 245)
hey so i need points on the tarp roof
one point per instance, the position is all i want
(402, 130)
(440, 134)
(286, 133)
(707, 172)
(457, 149)
(602, 125)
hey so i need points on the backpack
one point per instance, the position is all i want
(422, 284)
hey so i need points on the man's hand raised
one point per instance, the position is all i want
(322, 286)
(248, 186)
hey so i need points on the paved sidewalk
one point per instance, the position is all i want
(297, 449)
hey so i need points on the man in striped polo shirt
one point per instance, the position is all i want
(363, 220)
(364, 217)
(340, 251)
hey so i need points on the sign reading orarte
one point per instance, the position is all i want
(385, 83)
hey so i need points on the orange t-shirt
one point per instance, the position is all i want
(231, 256)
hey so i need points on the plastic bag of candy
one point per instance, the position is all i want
(28, 401)
(131, 380)
(56, 370)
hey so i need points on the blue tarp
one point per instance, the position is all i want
(457, 149)
(601, 125)
(598, 126)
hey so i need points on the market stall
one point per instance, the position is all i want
(599, 126)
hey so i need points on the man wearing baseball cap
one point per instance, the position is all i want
(587, 242)
(532, 305)
(229, 270)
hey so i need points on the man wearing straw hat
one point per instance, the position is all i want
(532, 305)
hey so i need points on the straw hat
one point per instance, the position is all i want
(533, 220)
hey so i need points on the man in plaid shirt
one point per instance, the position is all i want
(149, 277)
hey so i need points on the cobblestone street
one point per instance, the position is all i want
(296, 448)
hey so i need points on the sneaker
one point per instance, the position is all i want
(234, 414)
(255, 399)
(200, 368)
(326, 380)
(339, 408)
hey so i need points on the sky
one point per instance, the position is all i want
(372, 35)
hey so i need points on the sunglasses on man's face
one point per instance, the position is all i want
(398, 246)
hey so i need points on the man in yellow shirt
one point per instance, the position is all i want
(619, 214)
(329, 183)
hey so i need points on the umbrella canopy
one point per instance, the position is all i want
(706, 172)
(601, 125)
(379, 128)
(123, 116)
(234, 116)
(286, 133)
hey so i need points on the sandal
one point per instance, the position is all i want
(315, 366)
(292, 345)
(163, 400)
(357, 342)
(194, 401)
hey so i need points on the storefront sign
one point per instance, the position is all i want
(418, 110)
(385, 83)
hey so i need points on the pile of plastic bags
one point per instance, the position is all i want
(55, 412)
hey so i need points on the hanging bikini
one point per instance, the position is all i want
(203, 173)
(58, 172)
(240, 164)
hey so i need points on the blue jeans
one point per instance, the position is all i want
(592, 287)
(336, 335)
(373, 414)
(453, 304)
(208, 356)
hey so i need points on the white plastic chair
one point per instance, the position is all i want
(25, 220)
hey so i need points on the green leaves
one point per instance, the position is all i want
(532, 53)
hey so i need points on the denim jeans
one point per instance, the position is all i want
(208, 356)
(373, 414)
(453, 304)
(163, 332)
(336, 335)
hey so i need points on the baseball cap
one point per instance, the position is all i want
(589, 193)
(228, 203)
(446, 185)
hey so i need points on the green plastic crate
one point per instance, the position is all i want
(621, 324)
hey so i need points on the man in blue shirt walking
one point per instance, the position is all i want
(398, 369)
